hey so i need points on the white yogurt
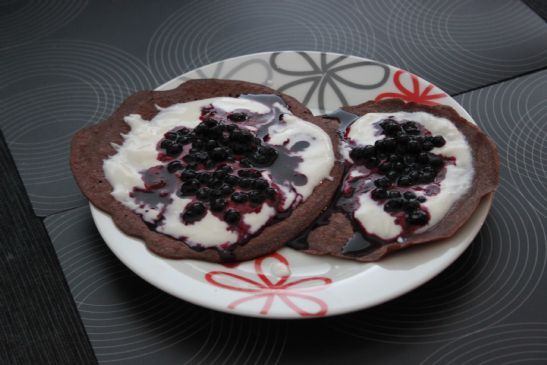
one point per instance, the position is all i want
(138, 152)
(457, 181)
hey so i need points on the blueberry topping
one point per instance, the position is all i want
(189, 187)
(256, 197)
(245, 182)
(421, 199)
(270, 193)
(411, 205)
(417, 217)
(382, 182)
(194, 212)
(204, 177)
(187, 174)
(427, 146)
(173, 149)
(378, 194)
(372, 162)
(393, 205)
(360, 153)
(203, 193)
(174, 166)
(438, 141)
(231, 180)
(219, 174)
(232, 216)
(413, 146)
(409, 195)
(218, 205)
(393, 194)
(226, 189)
(411, 128)
(385, 167)
(237, 117)
(239, 197)
(392, 175)
(405, 180)
(260, 184)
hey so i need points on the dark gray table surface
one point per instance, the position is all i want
(67, 299)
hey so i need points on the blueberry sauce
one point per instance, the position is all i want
(219, 167)
(398, 171)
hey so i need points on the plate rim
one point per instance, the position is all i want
(482, 209)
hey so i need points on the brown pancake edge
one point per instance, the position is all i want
(92, 145)
(331, 238)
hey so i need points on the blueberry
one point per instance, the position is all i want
(210, 123)
(372, 162)
(393, 205)
(198, 144)
(227, 169)
(381, 156)
(359, 153)
(256, 197)
(231, 180)
(270, 193)
(380, 145)
(188, 174)
(405, 180)
(409, 160)
(189, 187)
(393, 194)
(204, 177)
(411, 205)
(173, 149)
(427, 146)
(390, 126)
(385, 167)
(231, 127)
(421, 199)
(414, 175)
(422, 157)
(202, 156)
(218, 154)
(219, 174)
(402, 139)
(211, 144)
(392, 175)
(411, 128)
(378, 194)
(194, 212)
(267, 151)
(216, 193)
(426, 177)
(232, 216)
(394, 158)
(399, 166)
(203, 193)
(413, 146)
(190, 159)
(184, 139)
(214, 183)
(409, 195)
(245, 182)
(417, 218)
(201, 129)
(174, 166)
(245, 162)
(390, 144)
(237, 117)
(183, 131)
(240, 197)
(438, 141)
(260, 184)
(172, 136)
(382, 182)
(226, 189)
(218, 205)
(436, 162)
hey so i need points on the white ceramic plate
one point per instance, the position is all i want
(290, 284)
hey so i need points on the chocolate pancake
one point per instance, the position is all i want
(339, 234)
(93, 145)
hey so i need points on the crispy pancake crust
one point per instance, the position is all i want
(331, 238)
(92, 145)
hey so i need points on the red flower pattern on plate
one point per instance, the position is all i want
(265, 289)
(415, 95)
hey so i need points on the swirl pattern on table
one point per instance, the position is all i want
(127, 319)
(490, 281)
(66, 96)
(514, 343)
(23, 21)
(520, 131)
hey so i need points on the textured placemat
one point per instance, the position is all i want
(487, 306)
(39, 322)
(69, 63)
